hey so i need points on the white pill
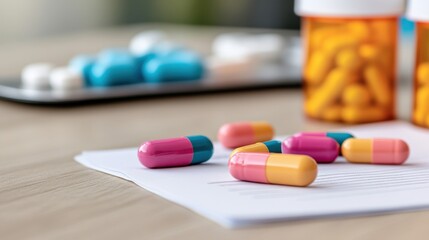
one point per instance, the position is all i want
(218, 65)
(64, 78)
(268, 45)
(255, 46)
(36, 76)
(146, 41)
(231, 46)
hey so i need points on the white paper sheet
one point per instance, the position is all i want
(340, 189)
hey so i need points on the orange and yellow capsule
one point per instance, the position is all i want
(274, 168)
(272, 146)
(239, 134)
(375, 151)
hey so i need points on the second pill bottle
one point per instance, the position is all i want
(350, 58)
(418, 10)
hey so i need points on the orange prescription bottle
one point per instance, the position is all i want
(419, 11)
(350, 58)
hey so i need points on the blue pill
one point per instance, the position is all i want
(176, 66)
(115, 67)
(83, 64)
(160, 50)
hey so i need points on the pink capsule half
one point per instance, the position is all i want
(322, 149)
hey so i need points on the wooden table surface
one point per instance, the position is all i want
(45, 194)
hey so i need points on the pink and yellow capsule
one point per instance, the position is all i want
(376, 151)
(274, 168)
(233, 135)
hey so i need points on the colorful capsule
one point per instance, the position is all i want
(176, 66)
(239, 134)
(114, 67)
(378, 84)
(375, 151)
(274, 168)
(175, 152)
(272, 146)
(322, 149)
(328, 93)
(339, 137)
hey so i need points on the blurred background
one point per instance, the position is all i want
(29, 29)
(24, 20)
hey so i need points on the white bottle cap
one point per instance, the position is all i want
(418, 10)
(349, 8)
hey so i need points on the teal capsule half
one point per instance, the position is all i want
(203, 148)
(274, 146)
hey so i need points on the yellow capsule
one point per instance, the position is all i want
(348, 58)
(332, 113)
(317, 68)
(356, 95)
(378, 84)
(354, 115)
(422, 105)
(329, 92)
(319, 35)
(423, 73)
(333, 44)
(369, 52)
(360, 30)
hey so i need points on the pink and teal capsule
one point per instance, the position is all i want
(339, 137)
(175, 152)
(322, 149)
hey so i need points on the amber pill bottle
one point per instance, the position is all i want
(350, 49)
(418, 11)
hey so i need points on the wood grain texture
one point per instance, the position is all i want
(45, 194)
